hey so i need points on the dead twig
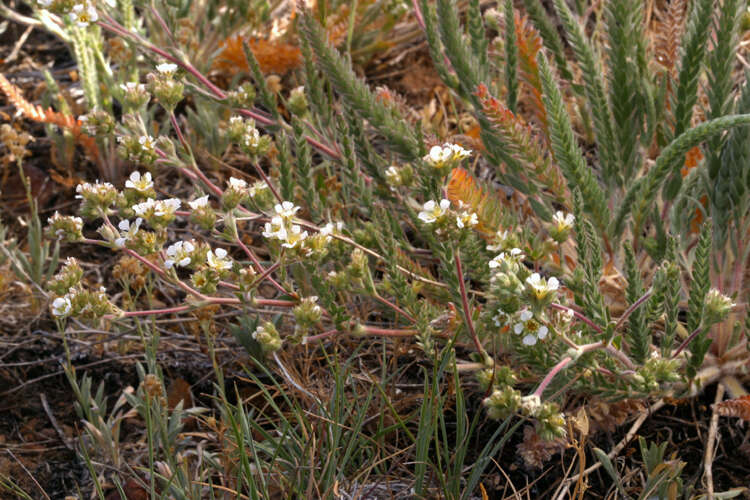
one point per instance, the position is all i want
(708, 457)
(53, 421)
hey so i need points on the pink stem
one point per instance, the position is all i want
(635, 305)
(578, 315)
(551, 375)
(158, 311)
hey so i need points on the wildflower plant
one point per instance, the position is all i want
(365, 226)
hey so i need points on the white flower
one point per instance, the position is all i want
(440, 156)
(145, 206)
(294, 236)
(501, 319)
(432, 211)
(82, 15)
(127, 231)
(167, 69)
(499, 241)
(146, 142)
(286, 209)
(132, 87)
(99, 189)
(180, 254)
(275, 229)
(168, 206)
(199, 202)
(497, 261)
(534, 331)
(141, 183)
(157, 208)
(237, 183)
(457, 151)
(563, 221)
(540, 287)
(464, 219)
(45, 3)
(111, 3)
(251, 138)
(331, 228)
(257, 188)
(393, 176)
(218, 260)
(61, 306)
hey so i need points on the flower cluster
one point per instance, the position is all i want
(445, 157)
(247, 136)
(162, 84)
(446, 220)
(282, 227)
(80, 13)
(202, 213)
(158, 213)
(134, 95)
(399, 176)
(65, 227)
(243, 97)
(68, 277)
(268, 337)
(141, 149)
(98, 123)
(97, 198)
(82, 303)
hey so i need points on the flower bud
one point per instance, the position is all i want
(268, 337)
(716, 307)
(65, 227)
(502, 403)
(98, 123)
(298, 101)
(134, 96)
(243, 97)
(359, 265)
(308, 312)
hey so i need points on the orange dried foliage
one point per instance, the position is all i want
(522, 143)
(692, 158)
(273, 56)
(529, 44)
(739, 408)
(41, 115)
(667, 35)
(462, 187)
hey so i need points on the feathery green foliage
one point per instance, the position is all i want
(623, 18)
(694, 48)
(638, 334)
(567, 152)
(386, 119)
(593, 88)
(511, 56)
(701, 282)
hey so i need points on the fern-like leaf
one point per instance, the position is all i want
(356, 95)
(511, 57)
(593, 87)
(566, 150)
